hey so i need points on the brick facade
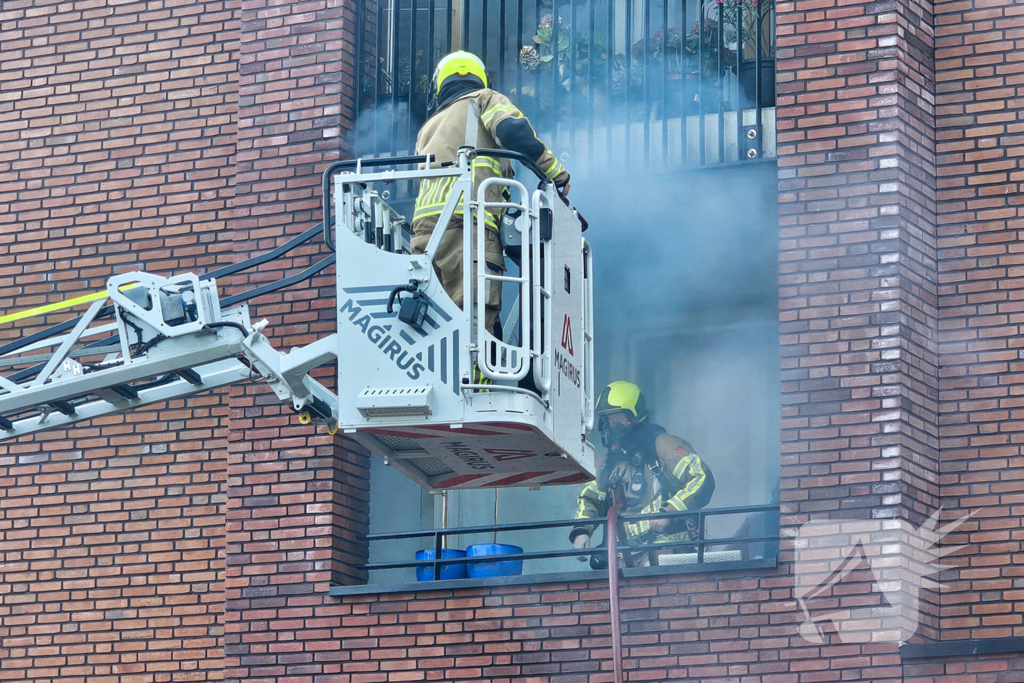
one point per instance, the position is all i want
(980, 206)
(117, 152)
(297, 499)
(197, 543)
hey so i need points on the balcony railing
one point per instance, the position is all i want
(701, 550)
(665, 83)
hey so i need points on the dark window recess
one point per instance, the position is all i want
(568, 281)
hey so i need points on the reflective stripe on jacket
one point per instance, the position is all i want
(472, 120)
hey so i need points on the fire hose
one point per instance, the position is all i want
(613, 585)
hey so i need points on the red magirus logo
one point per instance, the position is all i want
(567, 336)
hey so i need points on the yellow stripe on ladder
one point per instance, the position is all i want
(58, 306)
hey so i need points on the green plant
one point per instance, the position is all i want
(573, 57)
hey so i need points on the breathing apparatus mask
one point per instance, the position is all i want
(624, 463)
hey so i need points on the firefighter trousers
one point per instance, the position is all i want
(448, 266)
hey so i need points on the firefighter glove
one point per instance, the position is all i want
(581, 542)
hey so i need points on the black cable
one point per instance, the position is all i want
(166, 379)
(265, 257)
(148, 345)
(412, 287)
(230, 301)
(280, 284)
(230, 323)
(526, 161)
(138, 335)
(106, 311)
(49, 332)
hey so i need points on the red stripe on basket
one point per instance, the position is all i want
(455, 481)
(516, 478)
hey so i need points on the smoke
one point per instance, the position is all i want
(681, 242)
(686, 306)
(383, 130)
(686, 282)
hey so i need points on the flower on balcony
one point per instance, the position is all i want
(529, 58)
(547, 21)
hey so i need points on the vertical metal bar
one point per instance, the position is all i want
(612, 537)
(757, 76)
(702, 143)
(664, 80)
(591, 55)
(430, 53)
(684, 24)
(495, 538)
(645, 36)
(572, 79)
(629, 76)
(740, 6)
(412, 69)
(610, 64)
(701, 524)
(519, 47)
(483, 31)
(395, 66)
(501, 48)
(438, 551)
(556, 79)
(449, 22)
(721, 77)
(465, 25)
(360, 65)
(378, 25)
(536, 72)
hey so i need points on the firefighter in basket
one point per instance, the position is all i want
(655, 472)
(465, 112)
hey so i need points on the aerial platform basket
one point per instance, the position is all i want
(425, 385)
(421, 382)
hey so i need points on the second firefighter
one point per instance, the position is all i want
(654, 470)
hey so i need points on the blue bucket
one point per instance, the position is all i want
(480, 570)
(448, 571)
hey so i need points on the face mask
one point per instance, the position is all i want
(612, 437)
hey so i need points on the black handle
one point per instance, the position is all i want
(411, 287)
(583, 221)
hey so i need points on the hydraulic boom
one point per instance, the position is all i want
(409, 360)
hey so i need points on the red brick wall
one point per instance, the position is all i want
(297, 499)
(117, 142)
(858, 309)
(985, 669)
(899, 310)
(980, 144)
(693, 629)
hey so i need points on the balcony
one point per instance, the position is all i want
(663, 83)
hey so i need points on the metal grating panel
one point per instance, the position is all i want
(432, 467)
(399, 444)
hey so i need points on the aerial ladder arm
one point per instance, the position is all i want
(174, 342)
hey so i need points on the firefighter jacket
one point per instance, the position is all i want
(676, 479)
(482, 119)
